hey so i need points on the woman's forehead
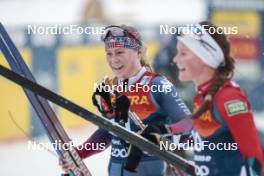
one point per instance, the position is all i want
(181, 45)
(116, 49)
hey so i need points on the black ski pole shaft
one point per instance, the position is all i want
(133, 138)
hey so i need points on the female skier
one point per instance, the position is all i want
(222, 121)
(154, 105)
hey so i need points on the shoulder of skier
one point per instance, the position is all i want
(168, 99)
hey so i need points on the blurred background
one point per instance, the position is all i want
(71, 64)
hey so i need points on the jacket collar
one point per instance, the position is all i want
(204, 87)
(135, 78)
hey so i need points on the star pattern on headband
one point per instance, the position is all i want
(125, 42)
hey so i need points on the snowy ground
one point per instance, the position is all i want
(17, 160)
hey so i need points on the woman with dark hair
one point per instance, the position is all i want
(222, 121)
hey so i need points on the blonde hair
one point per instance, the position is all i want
(143, 61)
(143, 48)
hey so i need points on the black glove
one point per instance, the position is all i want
(121, 108)
(105, 96)
(163, 128)
(152, 133)
(135, 154)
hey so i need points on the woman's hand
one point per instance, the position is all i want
(66, 166)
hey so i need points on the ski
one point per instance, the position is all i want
(48, 118)
(100, 121)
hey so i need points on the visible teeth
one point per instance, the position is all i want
(118, 68)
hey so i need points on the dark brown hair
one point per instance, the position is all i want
(223, 72)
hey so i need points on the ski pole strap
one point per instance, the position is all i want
(104, 95)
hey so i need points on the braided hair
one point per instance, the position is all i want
(223, 72)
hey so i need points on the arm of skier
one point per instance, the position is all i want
(233, 107)
(172, 104)
(100, 137)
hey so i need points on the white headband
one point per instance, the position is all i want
(203, 45)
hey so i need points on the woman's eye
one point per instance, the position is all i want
(109, 54)
(182, 53)
(120, 52)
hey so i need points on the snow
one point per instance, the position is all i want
(16, 159)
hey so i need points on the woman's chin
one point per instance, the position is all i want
(117, 73)
(183, 77)
(121, 75)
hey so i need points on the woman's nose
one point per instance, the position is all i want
(175, 59)
(115, 59)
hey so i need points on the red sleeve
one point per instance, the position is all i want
(98, 142)
(234, 108)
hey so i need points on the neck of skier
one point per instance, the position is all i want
(133, 73)
(207, 73)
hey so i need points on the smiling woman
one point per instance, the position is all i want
(121, 62)
(124, 51)
(124, 55)
(222, 112)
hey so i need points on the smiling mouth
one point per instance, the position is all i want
(118, 68)
(182, 69)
